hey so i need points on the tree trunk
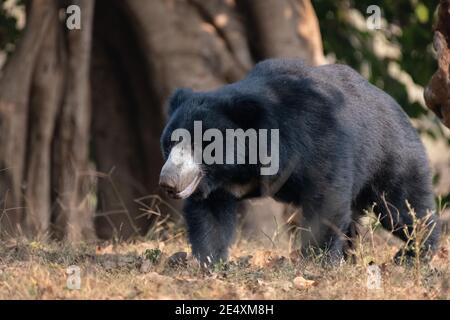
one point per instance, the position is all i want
(73, 216)
(286, 29)
(81, 111)
(14, 98)
(126, 124)
(45, 99)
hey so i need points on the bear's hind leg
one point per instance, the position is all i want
(420, 232)
(328, 221)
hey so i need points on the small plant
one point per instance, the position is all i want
(220, 266)
(153, 255)
(417, 235)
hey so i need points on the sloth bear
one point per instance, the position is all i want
(338, 146)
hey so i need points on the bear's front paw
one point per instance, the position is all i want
(208, 259)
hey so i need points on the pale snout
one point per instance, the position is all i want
(180, 175)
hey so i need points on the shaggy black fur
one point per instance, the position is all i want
(344, 146)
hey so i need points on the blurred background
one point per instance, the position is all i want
(81, 110)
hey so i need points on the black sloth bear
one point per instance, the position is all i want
(340, 146)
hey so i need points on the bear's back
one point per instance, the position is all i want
(275, 67)
(338, 76)
(335, 92)
(358, 93)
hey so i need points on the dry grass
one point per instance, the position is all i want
(144, 270)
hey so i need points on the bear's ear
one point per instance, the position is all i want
(245, 110)
(177, 98)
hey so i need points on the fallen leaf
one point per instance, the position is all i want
(104, 250)
(302, 283)
(262, 259)
(443, 253)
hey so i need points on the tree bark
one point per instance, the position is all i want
(14, 96)
(287, 29)
(45, 99)
(120, 90)
(73, 216)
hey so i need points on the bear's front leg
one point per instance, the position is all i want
(211, 224)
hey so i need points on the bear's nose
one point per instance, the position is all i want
(168, 184)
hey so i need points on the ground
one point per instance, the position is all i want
(148, 269)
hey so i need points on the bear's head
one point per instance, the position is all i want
(199, 119)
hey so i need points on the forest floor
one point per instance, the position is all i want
(257, 270)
